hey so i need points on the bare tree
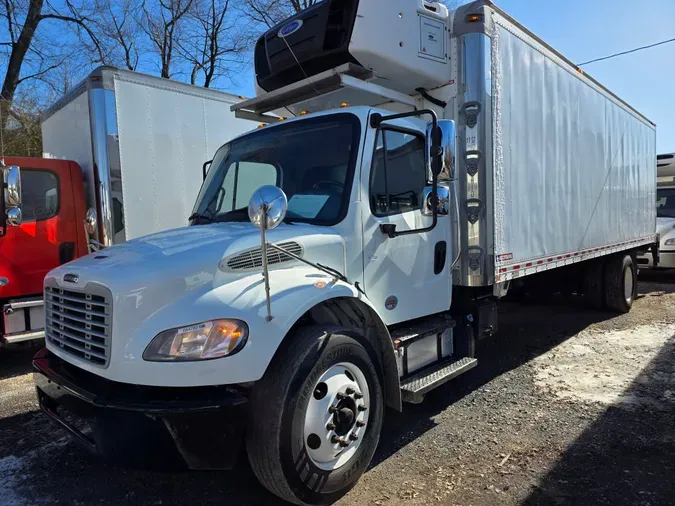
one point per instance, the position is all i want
(211, 43)
(162, 26)
(272, 12)
(23, 136)
(116, 31)
(21, 20)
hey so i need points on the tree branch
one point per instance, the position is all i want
(40, 73)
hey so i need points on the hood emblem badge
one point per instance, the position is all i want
(70, 278)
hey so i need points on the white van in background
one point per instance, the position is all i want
(665, 213)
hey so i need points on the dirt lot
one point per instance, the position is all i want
(567, 406)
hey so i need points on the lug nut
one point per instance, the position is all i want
(350, 391)
(362, 408)
(358, 396)
(339, 395)
(344, 443)
(360, 423)
(332, 409)
(353, 437)
(335, 440)
(330, 426)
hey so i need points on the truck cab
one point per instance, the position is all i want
(51, 233)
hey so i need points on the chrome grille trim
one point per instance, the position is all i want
(252, 259)
(79, 322)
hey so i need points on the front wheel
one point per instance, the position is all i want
(316, 416)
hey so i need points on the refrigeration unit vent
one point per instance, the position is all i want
(318, 37)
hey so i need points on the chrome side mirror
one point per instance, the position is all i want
(443, 207)
(13, 186)
(90, 221)
(267, 207)
(447, 141)
(14, 216)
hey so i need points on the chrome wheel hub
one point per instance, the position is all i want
(628, 284)
(337, 416)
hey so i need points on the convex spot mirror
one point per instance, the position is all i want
(13, 186)
(14, 216)
(90, 221)
(267, 201)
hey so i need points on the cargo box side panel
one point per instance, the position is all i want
(574, 168)
(164, 138)
(66, 135)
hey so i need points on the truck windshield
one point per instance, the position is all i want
(665, 202)
(312, 160)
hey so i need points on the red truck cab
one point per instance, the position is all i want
(51, 233)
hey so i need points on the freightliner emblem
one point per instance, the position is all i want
(290, 28)
(70, 278)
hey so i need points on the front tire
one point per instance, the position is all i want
(316, 416)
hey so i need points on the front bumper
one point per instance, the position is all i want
(666, 260)
(197, 427)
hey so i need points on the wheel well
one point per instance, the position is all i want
(351, 313)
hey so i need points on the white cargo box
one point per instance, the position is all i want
(141, 142)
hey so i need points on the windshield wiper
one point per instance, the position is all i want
(201, 217)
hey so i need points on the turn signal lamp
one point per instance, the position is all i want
(344, 104)
(474, 18)
(302, 113)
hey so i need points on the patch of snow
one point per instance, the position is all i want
(615, 367)
(13, 474)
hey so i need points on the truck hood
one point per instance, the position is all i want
(155, 270)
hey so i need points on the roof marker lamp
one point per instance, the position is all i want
(202, 341)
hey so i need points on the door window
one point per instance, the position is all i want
(39, 195)
(398, 174)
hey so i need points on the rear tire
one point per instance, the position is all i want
(620, 283)
(289, 442)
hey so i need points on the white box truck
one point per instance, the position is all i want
(141, 142)
(436, 159)
(665, 214)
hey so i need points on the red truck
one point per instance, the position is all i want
(50, 233)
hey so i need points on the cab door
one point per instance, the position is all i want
(51, 229)
(407, 276)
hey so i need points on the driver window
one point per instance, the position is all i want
(241, 180)
(398, 174)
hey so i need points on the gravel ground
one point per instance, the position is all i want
(567, 406)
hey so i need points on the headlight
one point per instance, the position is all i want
(202, 341)
(669, 242)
